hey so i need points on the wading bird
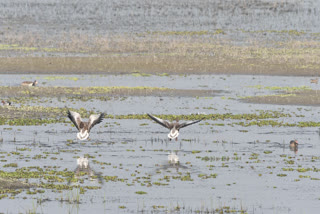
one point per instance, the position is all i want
(84, 127)
(29, 83)
(316, 80)
(294, 145)
(6, 103)
(173, 126)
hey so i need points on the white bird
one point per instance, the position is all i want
(84, 127)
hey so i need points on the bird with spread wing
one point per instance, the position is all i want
(173, 126)
(84, 127)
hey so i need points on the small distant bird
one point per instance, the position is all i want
(84, 127)
(6, 103)
(173, 126)
(173, 158)
(314, 80)
(294, 145)
(29, 83)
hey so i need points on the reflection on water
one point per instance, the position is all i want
(173, 158)
(83, 168)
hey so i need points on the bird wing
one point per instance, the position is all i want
(163, 123)
(75, 118)
(95, 119)
(182, 125)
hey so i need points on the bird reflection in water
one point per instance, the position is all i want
(83, 168)
(294, 146)
(173, 158)
(173, 162)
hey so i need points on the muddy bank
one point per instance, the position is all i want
(150, 65)
(304, 98)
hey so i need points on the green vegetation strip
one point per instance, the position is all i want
(282, 88)
(274, 123)
(30, 115)
(56, 91)
(33, 115)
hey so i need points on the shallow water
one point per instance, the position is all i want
(246, 160)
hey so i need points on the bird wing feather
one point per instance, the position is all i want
(163, 123)
(182, 125)
(95, 119)
(75, 118)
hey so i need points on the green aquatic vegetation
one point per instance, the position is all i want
(222, 158)
(57, 112)
(60, 78)
(17, 47)
(179, 33)
(290, 32)
(282, 88)
(195, 152)
(11, 165)
(163, 74)
(186, 177)
(136, 73)
(287, 169)
(205, 176)
(282, 175)
(23, 149)
(260, 123)
(71, 91)
(160, 184)
(289, 161)
(304, 170)
(3, 196)
(140, 192)
(27, 121)
(254, 156)
(315, 179)
(267, 152)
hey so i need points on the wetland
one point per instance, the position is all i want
(240, 149)
(249, 69)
